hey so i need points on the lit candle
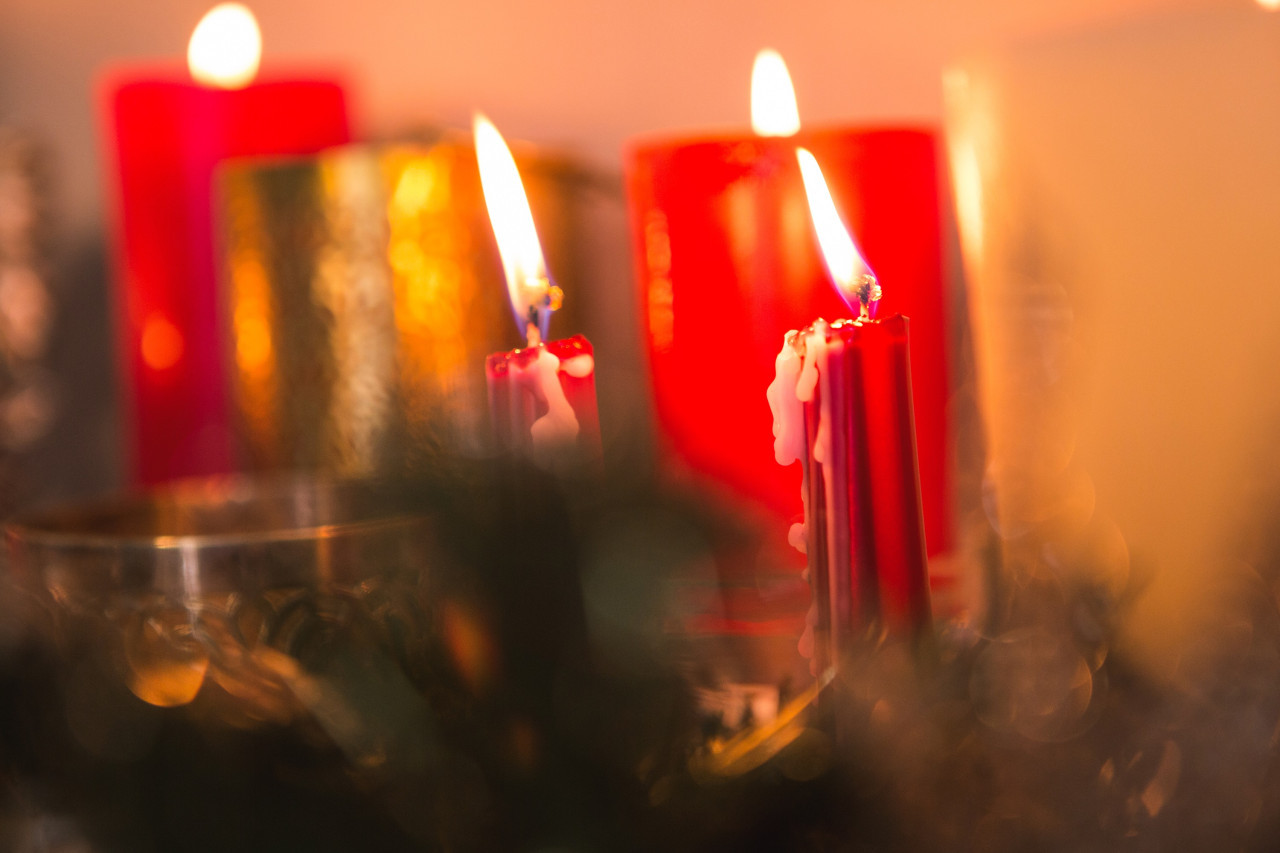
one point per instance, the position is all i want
(842, 406)
(166, 134)
(727, 264)
(542, 397)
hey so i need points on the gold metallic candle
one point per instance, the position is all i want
(362, 291)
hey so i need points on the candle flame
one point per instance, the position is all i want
(852, 276)
(533, 296)
(225, 47)
(773, 98)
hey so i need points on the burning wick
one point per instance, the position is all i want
(542, 297)
(533, 296)
(541, 397)
(867, 291)
(851, 274)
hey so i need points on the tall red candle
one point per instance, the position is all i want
(727, 265)
(842, 405)
(542, 397)
(166, 135)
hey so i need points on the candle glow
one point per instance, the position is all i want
(773, 98)
(853, 277)
(225, 48)
(533, 296)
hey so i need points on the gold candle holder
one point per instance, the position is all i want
(362, 292)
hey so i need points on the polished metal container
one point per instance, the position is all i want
(363, 290)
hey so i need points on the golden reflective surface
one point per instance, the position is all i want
(363, 290)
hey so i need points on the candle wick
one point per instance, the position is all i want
(867, 289)
(542, 299)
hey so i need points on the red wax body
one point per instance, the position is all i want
(865, 537)
(514, 399)
(728, 263)
(165, 137)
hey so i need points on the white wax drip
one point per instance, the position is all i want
(579, 366)
(815, 369)
(801, 363)
(788, 412)
(559, 426)
(807, 383)
(805, 645)
(798, 535)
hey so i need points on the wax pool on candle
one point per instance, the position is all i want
(542, 398)
(166, 135)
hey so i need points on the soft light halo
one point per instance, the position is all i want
(226, 47)
(773, 98)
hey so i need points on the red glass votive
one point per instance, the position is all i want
(165, 136)
(728, 264)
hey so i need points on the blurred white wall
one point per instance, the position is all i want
(580, 74)
(1120, 194)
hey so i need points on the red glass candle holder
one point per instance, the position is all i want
(728, 264)
(165, 137)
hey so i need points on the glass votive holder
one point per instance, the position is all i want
(247, 590)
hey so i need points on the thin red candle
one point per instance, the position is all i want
(519, 401)
(166, 135)
(542, 397)
(727, 265)
(842, 405)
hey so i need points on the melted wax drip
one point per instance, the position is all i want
(559, 426)
(797, 370)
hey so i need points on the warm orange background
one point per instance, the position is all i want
(581, 74)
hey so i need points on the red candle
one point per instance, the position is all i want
(533, 393)
(727, 265)
(842, 405)
(542, 397)
(166, 136)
